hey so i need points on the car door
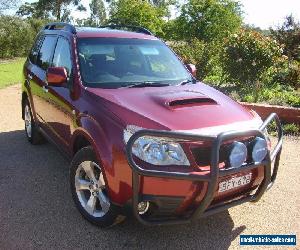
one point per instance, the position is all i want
(59, 115)
(40, 60)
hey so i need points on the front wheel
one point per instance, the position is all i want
(89, 190)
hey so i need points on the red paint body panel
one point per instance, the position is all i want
(101, 115)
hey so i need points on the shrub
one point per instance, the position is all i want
(291, 128)
(276, 95)
(204, 55)
(289, 35)
(248, 55)
(288, 73)
(17, 35)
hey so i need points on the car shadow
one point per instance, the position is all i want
(37, 211)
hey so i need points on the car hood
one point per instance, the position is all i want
(194, 108)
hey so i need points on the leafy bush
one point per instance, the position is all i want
(291, 128)
(247, 57)
(204, 55)
(276, 95)
(17, 35)
(288, 73)
(289, 36)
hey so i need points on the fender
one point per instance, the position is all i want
(91, 130)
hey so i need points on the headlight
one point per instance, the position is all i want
(238, 154)
(259, 149)
(156, 151)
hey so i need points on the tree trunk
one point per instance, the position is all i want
(58, 10)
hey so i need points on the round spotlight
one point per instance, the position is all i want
(143, 207)
(259, 149)
(238, 154)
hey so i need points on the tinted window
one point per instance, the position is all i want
(35, 49)
(62, 55)
(120, 62)
(45, 54)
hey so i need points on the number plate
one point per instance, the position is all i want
(234, 182)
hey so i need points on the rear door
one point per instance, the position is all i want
(41, 60)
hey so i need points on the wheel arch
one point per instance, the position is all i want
(80, 141)
(83, 138)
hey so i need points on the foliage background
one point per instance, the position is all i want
(245, 62)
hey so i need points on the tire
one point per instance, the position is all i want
(31, 129)
(89, 190)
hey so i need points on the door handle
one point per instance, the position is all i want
(45, 89)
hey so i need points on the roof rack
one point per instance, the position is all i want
(60, 26)
(128, 28)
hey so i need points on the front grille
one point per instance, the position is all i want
(202, 153)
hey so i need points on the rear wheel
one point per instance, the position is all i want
(32, 133)
(89, 189)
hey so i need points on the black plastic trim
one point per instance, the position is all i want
(60, 26)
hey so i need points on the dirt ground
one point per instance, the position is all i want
(37, 211)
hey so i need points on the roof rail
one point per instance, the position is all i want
(128, 28)
(60, 26)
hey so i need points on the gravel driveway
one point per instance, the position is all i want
(37, 211)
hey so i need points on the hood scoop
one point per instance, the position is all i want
(180, 99)
(191, 102)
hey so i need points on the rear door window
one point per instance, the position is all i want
(45, 54)
(35, 49)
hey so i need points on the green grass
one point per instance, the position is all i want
(11, 71)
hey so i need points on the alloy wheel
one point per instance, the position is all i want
(28, 121)
(91, 190)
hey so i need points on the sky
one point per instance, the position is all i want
(266, 13)
(260, 13)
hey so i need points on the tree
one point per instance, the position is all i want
(139, 13)
(7, 4)
(44, 8)
(208, 20)
(289, 35)
(32, 10)
(248, 55)
(98, 13)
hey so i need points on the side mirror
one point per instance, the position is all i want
(192, 68)
(56, 76)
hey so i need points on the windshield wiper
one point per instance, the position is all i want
(145, 84)
(184, 82)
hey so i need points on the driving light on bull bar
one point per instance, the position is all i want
(143, 207)
(238, 154)
(156, 151)
(259, 149)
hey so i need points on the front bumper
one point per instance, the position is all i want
(213, 177)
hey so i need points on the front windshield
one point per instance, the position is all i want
(121, 62)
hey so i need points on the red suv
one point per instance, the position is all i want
(141, 131)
